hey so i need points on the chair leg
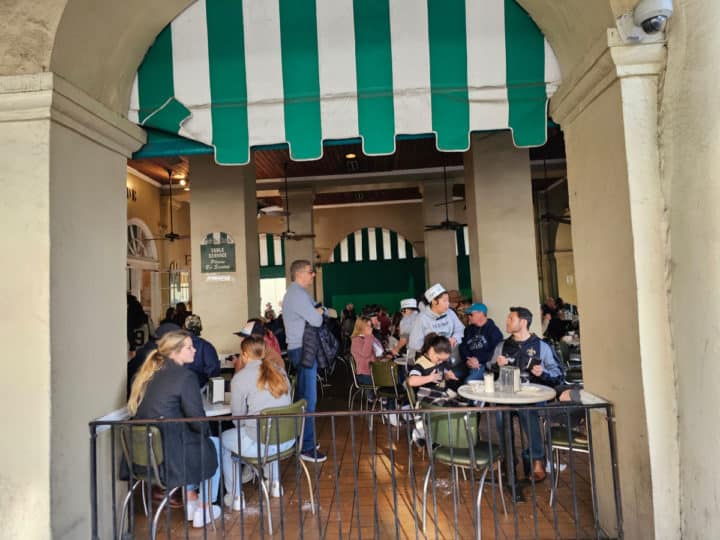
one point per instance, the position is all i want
(126, 502)
(158, 512)
(556, 462)
(146, 508)
(266, 495)
(500, 481)
(479, 501)
(425, 487)
(309, 482)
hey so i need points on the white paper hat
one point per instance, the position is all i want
(408, 303)
(433, 292)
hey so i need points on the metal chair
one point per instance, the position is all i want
(563, 439)
(452, 440)
(384, 376)
(357, 389)
(277, 426)
(142, 448)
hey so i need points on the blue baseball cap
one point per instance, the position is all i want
(476, 307)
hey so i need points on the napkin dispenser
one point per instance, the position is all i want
(216, 390)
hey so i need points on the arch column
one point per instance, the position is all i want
(440, 254)
(609, 111)
(64, 214)
(223, 200)
(301, 222)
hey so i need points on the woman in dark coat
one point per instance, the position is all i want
(163, 388)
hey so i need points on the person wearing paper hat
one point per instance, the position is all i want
(409, 311)
(479, 341)
(437, 318)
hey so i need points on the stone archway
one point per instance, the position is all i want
(92, 55)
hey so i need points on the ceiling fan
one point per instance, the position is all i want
(267, 208)
(447, 224)
(288, 233)
(172, 235)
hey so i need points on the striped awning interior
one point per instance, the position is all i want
(241, 74)
(462, 245)
(373, 244)
(272, 250)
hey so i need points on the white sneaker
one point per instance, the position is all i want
(235, 503)
(561, 468)
(190, 508)
(248, 474)
(198, 521)
(276, 490)
(393, 419)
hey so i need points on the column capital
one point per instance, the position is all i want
(47, 96)
(607, 61)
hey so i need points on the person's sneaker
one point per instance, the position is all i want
(561, 468)
(276, 490)
(248, 474)
(198, 520)
(313, 455)
(190, 508)
(393, 419)
(235, 503)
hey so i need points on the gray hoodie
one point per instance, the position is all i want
(428, 321)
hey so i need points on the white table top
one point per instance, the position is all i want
(528, 394)
(217, 409)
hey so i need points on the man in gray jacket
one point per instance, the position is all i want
(299, 308)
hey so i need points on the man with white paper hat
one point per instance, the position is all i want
(409, 311)
(437, 318)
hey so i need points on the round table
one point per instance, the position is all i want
(529, 393)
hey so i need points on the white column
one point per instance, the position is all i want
(440, 256)
(619, 237)
(63, 212)
(223, 200)
(498, 192)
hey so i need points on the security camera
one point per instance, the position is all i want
(652, 15)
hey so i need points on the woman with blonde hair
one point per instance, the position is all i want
(164, 388)
(258, 385)
(365, 348)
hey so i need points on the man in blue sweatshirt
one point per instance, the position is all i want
(299, 308)
(479, 341)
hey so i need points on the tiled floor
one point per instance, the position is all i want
(375, 496)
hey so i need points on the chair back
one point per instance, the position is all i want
(282, 427)
(142, 447)
(384, 374)
(451, 430)
(410, 391)
(353, 369)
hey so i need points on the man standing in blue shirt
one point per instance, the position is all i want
(479, 341)
(299, 308)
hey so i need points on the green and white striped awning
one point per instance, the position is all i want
(373, 244)
(241, 74)
(272, 250)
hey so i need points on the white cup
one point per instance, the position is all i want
(489, 383)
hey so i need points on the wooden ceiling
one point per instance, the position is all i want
(409, 154)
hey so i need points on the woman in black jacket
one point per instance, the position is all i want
(163, 388)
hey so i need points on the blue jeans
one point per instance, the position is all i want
(214, 480)
(530, 425)
(307, 390)
(475, 374)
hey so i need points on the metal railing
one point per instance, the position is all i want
(373, 482)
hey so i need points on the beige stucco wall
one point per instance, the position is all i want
(689, 143)
(332, 225)
(565, 264)
(147, 204)
(25, 329)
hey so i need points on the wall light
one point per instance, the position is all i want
(350, 155)
(183, 182)
(187, 188)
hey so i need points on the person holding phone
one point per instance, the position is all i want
(537, 363)
(431, 371)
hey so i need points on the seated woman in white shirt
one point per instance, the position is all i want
(259, 385)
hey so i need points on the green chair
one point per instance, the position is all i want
(452, 440)
(142, 448)
(276, 426)
(384, 377)
(560, 442)
(357, 389)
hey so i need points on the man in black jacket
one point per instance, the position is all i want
(479, 341)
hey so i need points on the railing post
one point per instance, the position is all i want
(93, 482)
